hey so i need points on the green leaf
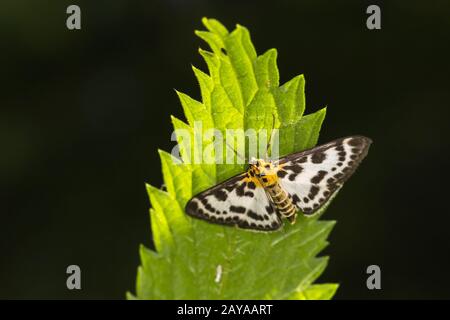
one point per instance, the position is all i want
(316, 292)
(194, 259)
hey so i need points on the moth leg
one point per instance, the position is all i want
(292, 218)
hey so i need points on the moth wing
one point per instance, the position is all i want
(313, 176)
(236, 202)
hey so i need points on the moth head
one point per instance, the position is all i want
(253, 161)
(264, 171)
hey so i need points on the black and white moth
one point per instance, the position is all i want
(268, 191)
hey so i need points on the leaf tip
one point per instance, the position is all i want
(215, 26)
(205, 21)
(323, 111)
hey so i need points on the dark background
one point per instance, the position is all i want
(83, 113)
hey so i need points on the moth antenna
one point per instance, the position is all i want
(236, 153)
(269, 145)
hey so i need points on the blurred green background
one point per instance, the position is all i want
(83, 113)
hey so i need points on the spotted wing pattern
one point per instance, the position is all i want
(311, 177)
(236, 202)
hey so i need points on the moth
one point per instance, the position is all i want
(269, 191)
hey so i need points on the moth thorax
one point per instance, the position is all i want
(266, 173)
(268, 180)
